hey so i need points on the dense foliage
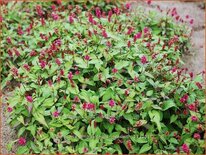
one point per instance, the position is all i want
(90, 81)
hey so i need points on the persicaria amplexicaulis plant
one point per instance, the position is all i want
(95, 80)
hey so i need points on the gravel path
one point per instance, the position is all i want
(195, 61)
(7, 134)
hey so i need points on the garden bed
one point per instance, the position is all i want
(130, 145)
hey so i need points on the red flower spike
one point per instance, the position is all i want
(104, 34)
(22, 141)
(1, 19)
(196, 136)
(110, 13)
(62, 72)
(71, 19)
(129, 145)
(70, 76)
(129, 44)
(149, 2)
(50, 83)
(126, 92)
(53, 7)
(15, 71)
(42, 64)
(98, 12)
(191, 21)
(111, 103)
(58, 62)
(87, 57)
(8, 39)
(43, 22)
(194, 118)
(198, 85)
(184, 98)
(112, 120)
(146, 30)
(128, 6)
(29, 99)
(137, 36)
(56, 114)
(39, 10)
(185, 148)
(85, 150)
(26, 66)
(9, 109)
(114, 70)
(76, 99)
(143, 60)
(73, 107)
(192, 107)
(55, 16)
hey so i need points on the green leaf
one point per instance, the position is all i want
(129, 117)
(78, 134)
(94, 99)
(108, 94)
(73, 90)
(68, 64)
(70, 149)
(118, 149)
(108, 126)
(48, 103)
(14, 101)
(40, 118)
(156, 107)
(173, 118)
(121, 64)
(32, 129)
(34, 147)
(93, 143)
(141, 140)
(151, 82)
(21, 119)
(173, 140)
(114, 135)
(22, 150)
(21, 131)
(162, 137)
(89, 130)
(80, 62)
(149, 75)
(10, 145)
(81, 146)
(145, 148)
(120, 128)
(155, 117)
(168, 104)
(149, 93)
(85, 95)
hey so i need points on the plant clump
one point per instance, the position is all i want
(96, 81)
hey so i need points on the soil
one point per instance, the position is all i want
(194, 61)
(7, 133)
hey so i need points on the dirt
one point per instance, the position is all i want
(7, 133)
(194, 61)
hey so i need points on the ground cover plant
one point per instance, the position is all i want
(99, 80)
